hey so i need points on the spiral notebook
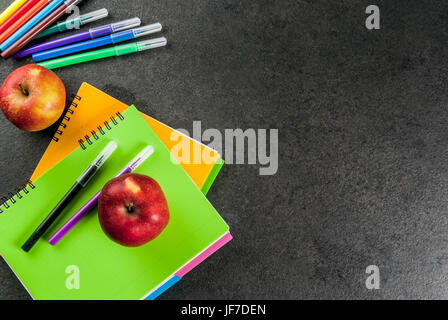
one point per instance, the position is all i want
(91, 104)
(107, 270)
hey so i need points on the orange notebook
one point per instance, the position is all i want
(91, 104)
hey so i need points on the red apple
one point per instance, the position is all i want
(132, 210)
(32, 98)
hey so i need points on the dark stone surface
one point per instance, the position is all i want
(363, 140)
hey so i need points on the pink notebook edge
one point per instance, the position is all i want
(204, 255)
(189, 266)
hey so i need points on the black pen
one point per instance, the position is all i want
(80, 183)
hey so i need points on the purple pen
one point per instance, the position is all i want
(131, 166)
(80, 36)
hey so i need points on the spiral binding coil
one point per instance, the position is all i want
(17, 193)
(67, 117)
(101, 131)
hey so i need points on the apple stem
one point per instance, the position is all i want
(24, 91)
(130, 208)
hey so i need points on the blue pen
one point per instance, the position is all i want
(80, 36)
(99, 42)
(31, 23)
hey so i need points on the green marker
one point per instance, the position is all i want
(74, 23)
(104, 53)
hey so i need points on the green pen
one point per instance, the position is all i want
(104, 53)
(74, 23)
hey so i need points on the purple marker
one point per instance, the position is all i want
(80, 36)
(134, 164)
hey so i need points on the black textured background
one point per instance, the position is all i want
(362, 117)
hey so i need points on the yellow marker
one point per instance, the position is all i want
(13, 7)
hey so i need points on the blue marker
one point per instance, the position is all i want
(31, 23)
(99, 42)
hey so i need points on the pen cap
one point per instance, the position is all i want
(84, 179)
(93, 16)
(105, 154)
(151, 44)
(82, 19)
(141, 157)
(135, 33)
(126, 24)
(145, 30)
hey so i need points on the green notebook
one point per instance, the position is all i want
(107, 270)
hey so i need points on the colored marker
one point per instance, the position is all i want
(104, 53)
(31, 23)
(79, 184)
(13, 7)
(132, 166)
(23, 19)
(16, 15)
(38, 28)
(81, 36)
(99, 42)
(75, 22)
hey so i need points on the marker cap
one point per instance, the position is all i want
(151, 44)
(141, 157)
(145, 30)
(105, 154)
(93, 16)
(126, 24)
(82, 19)
(97, 163)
